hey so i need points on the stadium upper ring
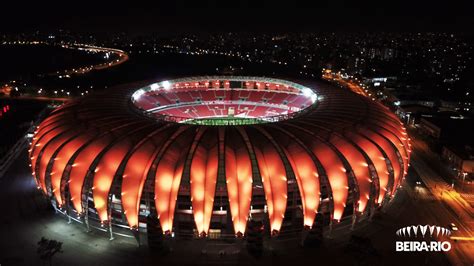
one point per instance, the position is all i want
(211, 152)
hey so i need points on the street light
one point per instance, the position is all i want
(463, 180)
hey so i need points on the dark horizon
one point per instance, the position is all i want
(241, 16)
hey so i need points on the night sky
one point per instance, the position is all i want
(208, 16)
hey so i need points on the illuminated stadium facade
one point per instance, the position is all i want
(203, 155)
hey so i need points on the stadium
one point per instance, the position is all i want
(202, 156)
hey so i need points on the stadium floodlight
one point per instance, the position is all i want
(154, 86)
(138, 94)
(307, 92)
(166, 85)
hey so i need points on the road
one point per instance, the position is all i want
(450, 208)
(352, 85)
(36, 98)
(122, 57)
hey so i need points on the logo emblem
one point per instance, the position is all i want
(415, 230)
(423, 231)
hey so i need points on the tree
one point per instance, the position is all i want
(48, 248)
(254, 234)
(314, 238)
(363, 250)
(155, 233)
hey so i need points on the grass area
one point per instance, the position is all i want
(226, 121)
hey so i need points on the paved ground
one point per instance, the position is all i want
(26, 217)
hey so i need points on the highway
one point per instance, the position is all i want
(122, 57)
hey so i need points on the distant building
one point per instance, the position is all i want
(409, 95)
(412, 113)
(461, 158)
(430, 128)
(451, 105)
(450, 132)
